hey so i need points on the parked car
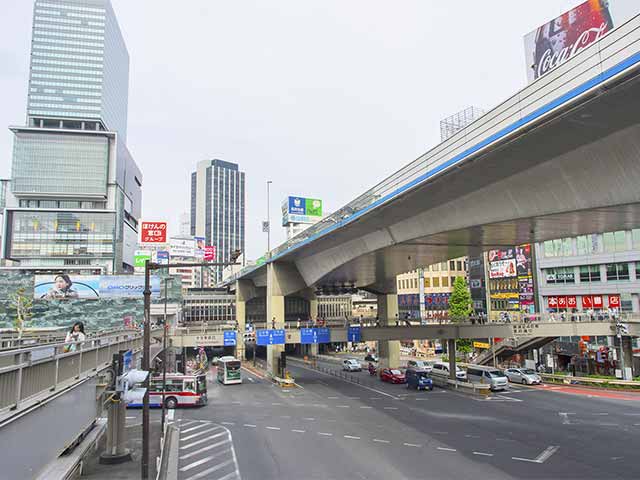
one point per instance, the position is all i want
(420, 365)
(392, 375)
(418, 379)
(351, 365)
(441, 369)
(525, 376)
(371, 357)
(487, 375)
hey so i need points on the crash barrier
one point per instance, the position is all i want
(28, 373)
(167, 461)
(593, 382)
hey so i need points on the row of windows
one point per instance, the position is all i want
(45, 48)
(57, 19)
(63, 114)
(61, 99)
(48, 61)
(72, 85)
(67, 107)
(436, 282)
(58, 41)
(69, 28)
(66, 77)
(590, 273)
(609, 242)
(71, 7)
(61, 204)
(96, 73)
(65, 55)
(68, 35)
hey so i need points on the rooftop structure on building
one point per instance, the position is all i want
(456, 122)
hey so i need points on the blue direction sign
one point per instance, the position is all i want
(230, 339)
(270, 337)
(354, 334)
(308, 335)
(324, 335)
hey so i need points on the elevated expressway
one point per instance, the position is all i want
(559, 158)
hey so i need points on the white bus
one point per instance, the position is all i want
(182, 391)
(229, 371)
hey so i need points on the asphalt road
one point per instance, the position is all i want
(333, 429)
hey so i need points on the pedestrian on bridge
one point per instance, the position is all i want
(76, 334)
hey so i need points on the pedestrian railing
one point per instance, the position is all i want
(29, 339)
(29, 372)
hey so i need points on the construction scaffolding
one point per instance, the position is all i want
(456, 122)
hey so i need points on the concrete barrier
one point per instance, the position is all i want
(466, 387)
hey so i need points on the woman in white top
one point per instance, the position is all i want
(76, 334)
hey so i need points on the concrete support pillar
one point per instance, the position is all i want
(245, 291)
(389, 350)
(313, 307)
(627, 346)
(313, 349)
(451, 343)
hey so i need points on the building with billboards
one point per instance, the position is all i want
(299, 213)
(478, 283)
(77, 189)
(511, 280)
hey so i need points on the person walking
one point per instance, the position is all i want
(76, 334)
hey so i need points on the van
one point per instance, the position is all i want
(418, 379)
(441, 370)
(420, 365)
(491, 376)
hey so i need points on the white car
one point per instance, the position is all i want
(351, 365)
(422, 365)
(525, 376)
(441, 369)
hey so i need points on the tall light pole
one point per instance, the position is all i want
(167, 280)
(269, 182)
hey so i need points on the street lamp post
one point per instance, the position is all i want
(269, 182)
(164, 350)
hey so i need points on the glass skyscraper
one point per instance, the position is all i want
(77, 190)
(218, 209)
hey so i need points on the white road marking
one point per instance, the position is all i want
(249, 425)
(447, 449)
(186, 424)
(421, 399)
(412, 445)
(251, 380)
(351, 437)
(311, 419)
(390, 408)
(204, 449)
(273, 428)
(320, 405)
(205, 473)
(483, 454)
(441, 433)
(285, 416)
(236, 403)
(353, 398)
(472, 436)
(365, 406)
(565, 418)
(195, 428)
(608, 424)
(628, 414)
(203, 440)
(333, 398)
(375, 398)
(636, 424)
(197, 434)
(505, 440)
(298, 431)
(543, 457)
(325, 434)
(381, 441)
(605, 413)
(343, 406)
(133, 418)
(197, 463)
(276, 404)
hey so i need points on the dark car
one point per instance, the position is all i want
(392, 375)
(418, 379)
(371, 358)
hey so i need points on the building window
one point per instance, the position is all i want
(436, 267)
(588, 244)
(590, 273)
(445, 281)
(427, 280)
(635, 238)
(615, 241)
(443, 266)
(560, 275)
(617, 271)
(459, 265)
(560, 247)
(637, 270)
(436, 282)
(453, 280)
(452, 265)
(626, 304)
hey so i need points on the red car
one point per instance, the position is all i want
(392, 375)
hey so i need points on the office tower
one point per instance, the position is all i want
(77, 189)
(217, 209)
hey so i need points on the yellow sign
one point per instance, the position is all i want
(481, 345)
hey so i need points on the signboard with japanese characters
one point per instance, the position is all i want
(153, 232)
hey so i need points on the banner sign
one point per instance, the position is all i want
(182, 247)
(502, 268)
(229, 339)
(209, 253)
(162, 257)
(199, 252)
(555, 42)
(270, 337)
(140, 257)
(301, 210)
(153, 232)
(481, 345)
(63, 286)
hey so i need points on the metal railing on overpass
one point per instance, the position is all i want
(28, 339)
(28, 372)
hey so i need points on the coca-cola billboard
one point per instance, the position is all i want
(557, 41)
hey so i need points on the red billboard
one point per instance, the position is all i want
(557, 41)
(153, 232)
(614, 301)
(209, 253)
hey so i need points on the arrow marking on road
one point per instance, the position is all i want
(543, 457)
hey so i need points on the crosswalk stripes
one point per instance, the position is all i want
(206, 452)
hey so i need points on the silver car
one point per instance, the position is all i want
(525, 376)
(351, 365)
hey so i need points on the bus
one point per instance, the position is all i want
(182, 391)
(229, 371)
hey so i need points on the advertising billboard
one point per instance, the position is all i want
(153, 232)
(65, 287)
(162, 257)
(502, 268)
(182, 247)
(301, 210)
(140, 256)
(199, 251)
(209, 253)
(560, 39)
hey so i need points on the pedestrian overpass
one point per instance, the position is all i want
(559, 158)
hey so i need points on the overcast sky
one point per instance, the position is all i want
(323, 97)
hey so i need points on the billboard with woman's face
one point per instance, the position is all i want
(68, 287)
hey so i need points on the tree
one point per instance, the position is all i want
(460, 300)
(22, 304)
